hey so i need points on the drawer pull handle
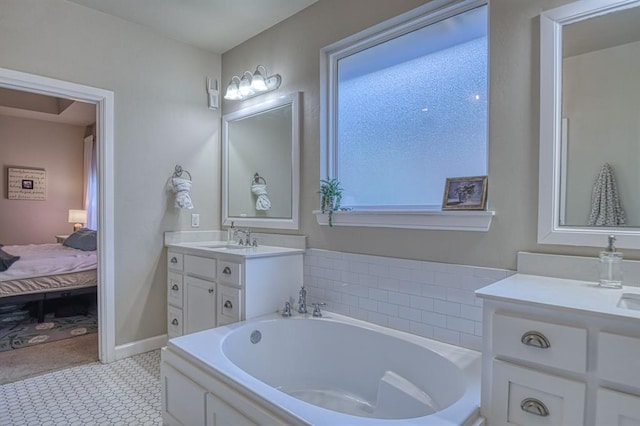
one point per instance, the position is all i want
(210, 290)
(534, 406)
(226, 270)
(175, 287)
(174, 260)
(535, 339)
(228, 304)
(174, 322)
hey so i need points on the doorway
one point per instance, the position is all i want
(103, 100)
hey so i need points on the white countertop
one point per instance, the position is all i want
(222, 247)
(561, 293)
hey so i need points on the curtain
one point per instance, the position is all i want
(90, 182)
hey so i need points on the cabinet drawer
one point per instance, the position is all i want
(617, 408)
(229, 272)
(618, 358)
(174, 260)
(174, 289)
(541, 342)
(229, 300)
(174, 327)
(521, 396)
(201, 266)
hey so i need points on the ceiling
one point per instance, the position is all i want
(214, 25)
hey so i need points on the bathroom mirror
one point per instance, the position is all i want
(589, 124)
(261, 164)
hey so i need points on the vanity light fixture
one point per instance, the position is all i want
(252, 84)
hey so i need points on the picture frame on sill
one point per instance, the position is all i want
(465, 193)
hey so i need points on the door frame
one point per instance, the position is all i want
(103, 99)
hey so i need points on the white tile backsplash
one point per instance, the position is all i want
(430, 299)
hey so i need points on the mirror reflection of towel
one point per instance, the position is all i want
(605, 204)
(182, 187)
(263, 202)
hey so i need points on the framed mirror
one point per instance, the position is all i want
(590, 124)
(261, 164)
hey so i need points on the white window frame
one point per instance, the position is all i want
(329, 56)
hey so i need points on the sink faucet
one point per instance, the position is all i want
(247, 237)
(302, 300)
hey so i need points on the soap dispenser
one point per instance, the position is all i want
(231, 234)
(611, 266)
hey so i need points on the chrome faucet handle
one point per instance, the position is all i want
(286, 312)
(254, 242)
(316, 308)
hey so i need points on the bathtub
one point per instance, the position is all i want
(333, 370)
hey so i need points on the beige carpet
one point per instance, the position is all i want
(21, 363)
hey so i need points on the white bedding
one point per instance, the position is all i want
(38, 260)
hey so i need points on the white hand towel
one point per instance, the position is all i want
(263, 202)
(182, 187)
(605, 204)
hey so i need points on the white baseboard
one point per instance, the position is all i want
(140, 347)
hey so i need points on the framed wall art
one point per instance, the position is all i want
(26, 184)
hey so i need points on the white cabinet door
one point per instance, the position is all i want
(617, 408)
(199, 305)
(182, 399)
(241, 413)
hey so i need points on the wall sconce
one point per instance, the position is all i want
(78, 218)
(213, 93)
(251, 85)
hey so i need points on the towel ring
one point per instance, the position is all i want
(178, 171)
(257, 178)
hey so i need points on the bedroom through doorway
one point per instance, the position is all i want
(48, 289)
(54, 169)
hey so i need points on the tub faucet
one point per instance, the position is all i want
(316, 309)
(302, 300)
(286, 312)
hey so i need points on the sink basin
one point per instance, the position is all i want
(629, 301)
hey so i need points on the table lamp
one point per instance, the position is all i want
(78, 218)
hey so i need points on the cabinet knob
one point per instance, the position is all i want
(535, 339)
(174, 322)
(228, 304)
(210, 290)
(226, 270)
(175, 287)
(534, 406)
(174, 260)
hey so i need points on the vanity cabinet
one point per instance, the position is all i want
(550, 358)
(209, 288)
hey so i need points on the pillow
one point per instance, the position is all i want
(82, 239)
(6, 260)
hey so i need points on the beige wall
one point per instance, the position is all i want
(56, 148)
(292, 49)
(161, 118)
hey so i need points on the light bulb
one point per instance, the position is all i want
(257, 82)
(245, 85)
(232, 90)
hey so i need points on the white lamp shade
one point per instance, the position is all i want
(78, 216)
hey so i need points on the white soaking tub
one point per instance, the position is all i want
(333, 370)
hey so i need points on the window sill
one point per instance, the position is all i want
(457, 220)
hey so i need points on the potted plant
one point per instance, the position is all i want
(330, 197)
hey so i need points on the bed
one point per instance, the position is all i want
(45, 272)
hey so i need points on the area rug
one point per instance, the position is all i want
(28, 332)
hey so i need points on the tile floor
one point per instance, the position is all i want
(125, 392)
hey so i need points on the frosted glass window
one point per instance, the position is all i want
(410, 112)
